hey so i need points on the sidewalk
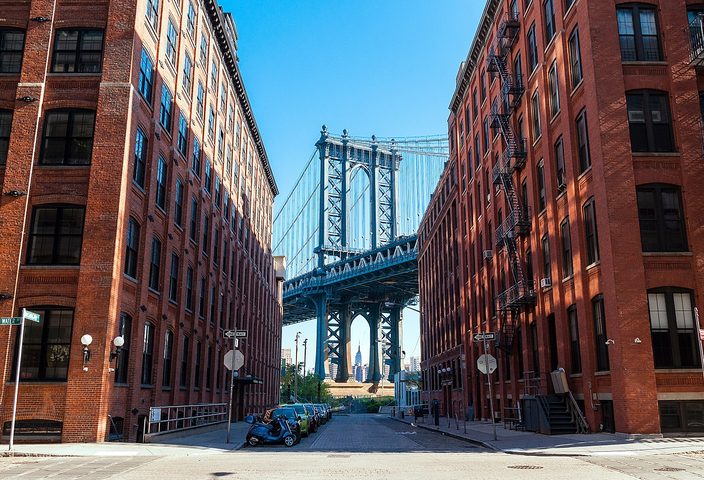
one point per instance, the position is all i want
(529, 443)
(207, 443)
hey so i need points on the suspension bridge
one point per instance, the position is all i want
(348, 229)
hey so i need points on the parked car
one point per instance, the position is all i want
(303, 418)
(315, 416)
(323, 411)
(290, 415)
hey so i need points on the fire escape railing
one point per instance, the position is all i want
(517, 222)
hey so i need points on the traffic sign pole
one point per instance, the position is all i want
(17, 383)
(232, 385)
(491, 394)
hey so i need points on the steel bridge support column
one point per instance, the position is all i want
(373, 196)
(321, 338)
(395, 349)
(343, 359)
(374, 374)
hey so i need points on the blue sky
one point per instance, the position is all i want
(384, 67)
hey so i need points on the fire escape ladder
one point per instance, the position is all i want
(517, 222)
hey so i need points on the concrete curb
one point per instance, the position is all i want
(478, 443)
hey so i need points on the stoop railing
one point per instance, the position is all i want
(176, 418)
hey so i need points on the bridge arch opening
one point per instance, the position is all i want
(359, 348)
(359, 222)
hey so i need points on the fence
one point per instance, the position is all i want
(175, 418)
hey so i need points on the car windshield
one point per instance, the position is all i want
(290, 413)
(300, 409)
(310, 408)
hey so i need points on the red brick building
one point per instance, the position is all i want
(137, 202)
(576, 139)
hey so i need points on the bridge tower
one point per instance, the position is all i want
(339, 157)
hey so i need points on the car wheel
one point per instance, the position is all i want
(289, 440)
(252, 441)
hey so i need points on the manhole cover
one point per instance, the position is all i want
(669, 469)
(525, 467)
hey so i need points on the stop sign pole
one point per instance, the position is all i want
(484, 338)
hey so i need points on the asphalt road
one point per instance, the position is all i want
(360, 447)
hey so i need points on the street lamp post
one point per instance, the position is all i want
(295, 372)
(305, 355)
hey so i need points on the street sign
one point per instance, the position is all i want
(486, 363)
(233, 360)
(240, 333)
(31, 316)
(480, 337)
(230, 333)
(10, 320)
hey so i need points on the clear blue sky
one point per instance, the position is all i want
(384, 67)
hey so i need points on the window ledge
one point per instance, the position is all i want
(656, 154)
(644, 62)
(602, 373)
(593, 265)
(26, 382)
(143, 385)
(575, 375)
(585, 173)
(51, 267)
(679, 370)
(155, 292)
(577, 87)
(668, 254)
(44, 166)
(121, 385)
(74, 74)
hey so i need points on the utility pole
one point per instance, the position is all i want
(305, 355)
(295, 372)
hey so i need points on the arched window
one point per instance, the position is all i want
(673, 328)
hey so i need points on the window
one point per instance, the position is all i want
(553, 86)
(591, 232)
(211, 122)
(213, 76)
(155, 265)
(575, 56)
(514, 9)
(140, 158)
(196, 157)
(5, 128)
(203, 50)
(649, 121)
(542, 202)
(161, 184)
(167, 107)
(535, 115)
(171, 35)
(178, 203)
(575, 355)
(482, 85)
(532, 49)
(146, 77)
(77, 51)
(183, 374)
(585, 160)
(216, 246)
(123, 358)
(153, 13)
(68, 137)
(638, 33)
(168, 354)
(566, 248)
(549, 20)
(208, 369)
(208, 180)
(218, 194)
(600, 337)
(193, 227)
(182, 134)
(200, 106)
(191, 20)
(189, 289)
(11, 49)
(206, 235)
(547, 270)
(56, 235)
(46, 347)
(132, 248)
(196, 380)
(187, 74)
(201, 298)
(148, 354)
(173, 278)
(673, 328)
(560, 165)
(661, 218)
(486, 135)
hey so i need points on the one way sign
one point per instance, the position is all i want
(235, 333)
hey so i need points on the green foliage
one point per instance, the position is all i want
(307, 387)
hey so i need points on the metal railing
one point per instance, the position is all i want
(175, 418)
(696, 37)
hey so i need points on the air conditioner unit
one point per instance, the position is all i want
(487, 254)
(545, 283)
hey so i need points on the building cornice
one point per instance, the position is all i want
(218, 21)
(475, 51)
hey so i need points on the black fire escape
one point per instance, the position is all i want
(517, 222)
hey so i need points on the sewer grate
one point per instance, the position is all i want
(669, 469)
(525, 467)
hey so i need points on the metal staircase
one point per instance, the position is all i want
(517, 221)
